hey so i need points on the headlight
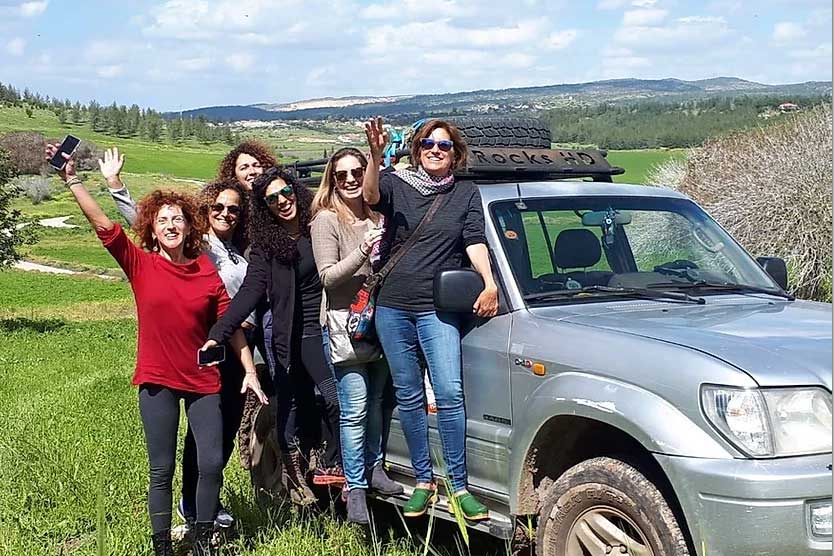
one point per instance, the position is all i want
(771, 422)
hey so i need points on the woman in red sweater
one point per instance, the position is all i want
(179, 296)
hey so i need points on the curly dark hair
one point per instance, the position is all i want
(207, 196)
(149, 207)
(256, 149)
(265, 230)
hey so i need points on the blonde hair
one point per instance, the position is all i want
(328, 197)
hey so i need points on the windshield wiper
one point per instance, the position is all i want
(643, 293)
(723, 286)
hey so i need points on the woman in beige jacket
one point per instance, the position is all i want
(346, 234)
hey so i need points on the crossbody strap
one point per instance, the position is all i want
(412, 239)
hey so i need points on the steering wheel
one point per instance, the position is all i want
(681, 268)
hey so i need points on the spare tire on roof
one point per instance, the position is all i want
(484, 131)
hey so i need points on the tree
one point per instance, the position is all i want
(62, 116)
(29, 112)
(12, 234)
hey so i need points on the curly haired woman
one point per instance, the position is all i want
(178, 295)
(281, 264)
(224, 205)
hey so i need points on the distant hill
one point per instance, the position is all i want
(502, 101)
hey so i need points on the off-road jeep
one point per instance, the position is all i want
(648, 387)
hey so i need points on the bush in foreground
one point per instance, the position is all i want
(771, 189)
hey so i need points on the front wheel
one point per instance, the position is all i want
(603, 507)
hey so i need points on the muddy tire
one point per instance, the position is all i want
(605, 506)
(504, 132)
(264, 454)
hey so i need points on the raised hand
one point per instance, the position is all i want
(112, 164)
(377, 138)
(69, 168)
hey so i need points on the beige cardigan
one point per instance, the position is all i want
(341, 264)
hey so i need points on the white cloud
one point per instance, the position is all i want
(16, 46)
(642, 18)
(561, 39)
(787, 32)
(820, 52)
(31, 9)
(110, 71)
(644, 3)
(418, 10)
(193, 64)
(679, 35)
(241, 61)
(607, 5)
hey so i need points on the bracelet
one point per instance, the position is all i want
(75, 180)
(362, 250)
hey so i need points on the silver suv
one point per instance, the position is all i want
(648, 388)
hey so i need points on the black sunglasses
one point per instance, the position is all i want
(357, 173)
(444, 144)
(272, 198)
(218, 207)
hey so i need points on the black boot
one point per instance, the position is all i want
(296, 479)
(203, 531)
(162, 543)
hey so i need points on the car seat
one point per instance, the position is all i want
(579, 248)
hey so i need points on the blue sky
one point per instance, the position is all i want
(174, 54)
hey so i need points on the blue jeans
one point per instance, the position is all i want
(361, 388)
(404, 334)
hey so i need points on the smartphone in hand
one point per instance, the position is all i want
(68, 146)
(216, 354)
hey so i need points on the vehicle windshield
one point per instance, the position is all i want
(568, 244)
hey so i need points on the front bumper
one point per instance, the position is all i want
(738, 507)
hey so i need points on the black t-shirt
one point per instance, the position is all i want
(457, 224)
(307, 290)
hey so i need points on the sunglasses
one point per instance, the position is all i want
(218, 208)
(272, 198)
(429, 143)
(357, 173)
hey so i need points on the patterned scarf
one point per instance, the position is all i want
(425, 183)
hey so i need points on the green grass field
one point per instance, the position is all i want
(638, 164)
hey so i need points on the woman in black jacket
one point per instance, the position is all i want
(281, 266)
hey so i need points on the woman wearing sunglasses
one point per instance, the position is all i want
(281, 265)
(346, 234)
(406, 321)
(178, 295)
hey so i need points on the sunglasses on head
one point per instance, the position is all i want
(272, 198)
(444, 144)
(218, 208)
(357, 173)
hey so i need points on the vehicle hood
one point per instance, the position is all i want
(778, 343)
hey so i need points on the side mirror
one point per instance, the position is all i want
(455, 290)
(776, 268)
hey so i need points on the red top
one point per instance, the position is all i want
(176, 304)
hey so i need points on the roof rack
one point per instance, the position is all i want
(503, 164)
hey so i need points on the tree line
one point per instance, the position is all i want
(120, 120)
(657, 123)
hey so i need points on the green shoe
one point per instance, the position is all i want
(470, 507)
(419, 501)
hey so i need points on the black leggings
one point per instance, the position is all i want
(231, 410)
(160, 410)
(297, 414)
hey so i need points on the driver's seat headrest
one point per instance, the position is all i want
(576, 248)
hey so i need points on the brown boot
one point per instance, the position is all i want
(296, 479)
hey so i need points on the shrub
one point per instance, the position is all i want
(25, 150)
(12, 233)
(35, 187)
(771, 189)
